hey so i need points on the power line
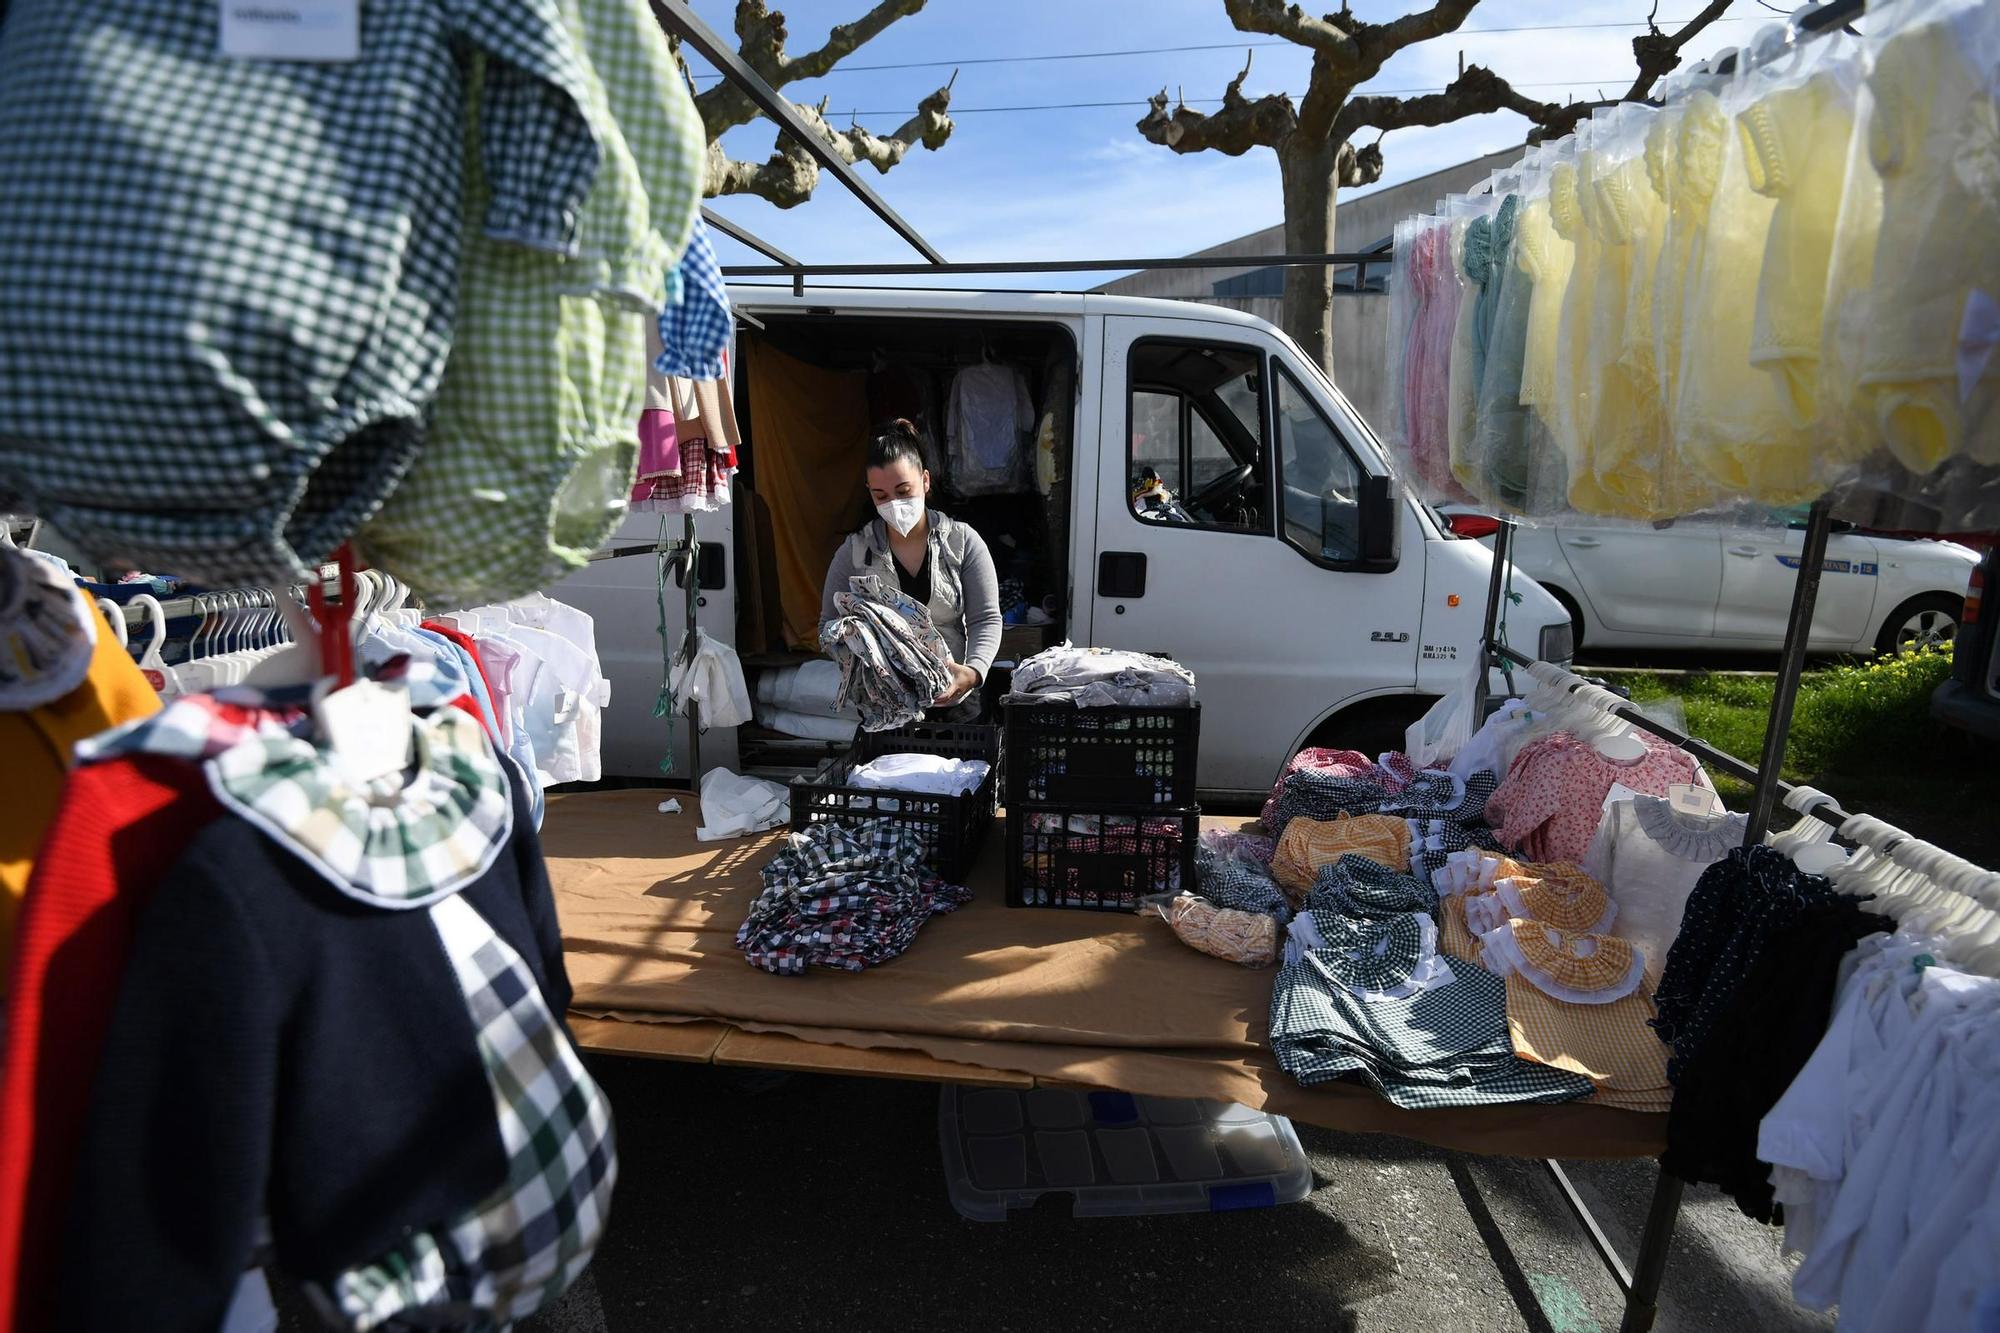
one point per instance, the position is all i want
(1210, 101)
(1218, 46)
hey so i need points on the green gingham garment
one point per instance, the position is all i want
(529, 463)
(1362, 886)
(520, 1248)
(1446, 1046)
(405, 841)
(227, 286)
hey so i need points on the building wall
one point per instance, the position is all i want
(1360, 319)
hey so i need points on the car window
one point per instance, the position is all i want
(1321, 481)
(1198, 452)
(1156, 436)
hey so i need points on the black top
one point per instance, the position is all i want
(917, 585)
(279, 1047)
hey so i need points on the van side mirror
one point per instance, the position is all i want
(1380, 509)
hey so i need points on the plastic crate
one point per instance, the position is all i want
(953, 827)
(1098, 858)
(1113, 1154)
(1058, 754)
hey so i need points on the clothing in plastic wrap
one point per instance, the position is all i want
(1426, 377)
(1730, 421)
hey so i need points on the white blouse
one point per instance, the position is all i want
(1648, 855)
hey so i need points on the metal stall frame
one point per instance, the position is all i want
(1641, 1283)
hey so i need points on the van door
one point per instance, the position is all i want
(621, 597)
(1256, 572)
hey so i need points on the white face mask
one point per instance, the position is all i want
(902, 515)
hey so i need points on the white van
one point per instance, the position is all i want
(1317, 601)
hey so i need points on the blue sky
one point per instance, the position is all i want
(1082, 183)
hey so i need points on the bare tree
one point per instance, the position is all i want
(1314, 140)
(790, 175)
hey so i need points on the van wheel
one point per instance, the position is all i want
(1575, 616)
(1374, 727)
(1929, 621)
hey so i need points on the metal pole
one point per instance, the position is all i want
(717, 222)
(768, 100)
(1489, 652)
(798, 272)
(691, 575)
(1798, 634)
(1642, 1304)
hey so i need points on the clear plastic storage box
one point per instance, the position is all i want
(1114, 1154)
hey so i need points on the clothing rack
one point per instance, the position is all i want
(1641, 1284)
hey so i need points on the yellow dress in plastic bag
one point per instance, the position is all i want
(1929, 376)
(1796, 142)
(1572, 415)
(1630, 425)
(1548, 258)
(1728, 420)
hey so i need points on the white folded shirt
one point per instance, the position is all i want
(921, 772)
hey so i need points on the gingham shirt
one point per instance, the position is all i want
(529, 463)
(1447, 1046)
(843, 895)
(694, 331)
(519, 1249)
(227, 286)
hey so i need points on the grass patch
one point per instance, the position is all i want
(1863, 734)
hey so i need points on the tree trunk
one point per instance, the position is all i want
(1310, 189)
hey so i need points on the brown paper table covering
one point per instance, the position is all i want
(649, 917)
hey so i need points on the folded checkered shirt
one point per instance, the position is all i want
(843, 895)
(227, 286)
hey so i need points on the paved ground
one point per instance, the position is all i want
(820, 1203)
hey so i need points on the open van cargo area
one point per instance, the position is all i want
(814, 389)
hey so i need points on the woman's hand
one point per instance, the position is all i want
(964, 680)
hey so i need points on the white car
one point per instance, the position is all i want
(1715, 585)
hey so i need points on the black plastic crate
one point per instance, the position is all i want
(1058, 754)
(953, 827)
(1098, 858)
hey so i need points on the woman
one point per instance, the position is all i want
(941, 563)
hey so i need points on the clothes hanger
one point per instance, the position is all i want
(163, 677)
(298, 663)
(1809, 842)
(114, 616)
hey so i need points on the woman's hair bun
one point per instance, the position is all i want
(897, 440)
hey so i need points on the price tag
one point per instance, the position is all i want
(366, 727)
(323, 31)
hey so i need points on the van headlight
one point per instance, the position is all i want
(1558, 643)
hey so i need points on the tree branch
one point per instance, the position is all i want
(1241, 125)
(1658, 54)
(790, 175)
(761, 34)
(1474, 93)
(1274, 18)
(1439, 19)
(1335, 79)
(1354, 167)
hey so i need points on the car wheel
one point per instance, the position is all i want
(1575, 616)
(1930, 621)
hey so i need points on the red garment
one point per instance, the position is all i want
(119, 826)
(496, 726)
